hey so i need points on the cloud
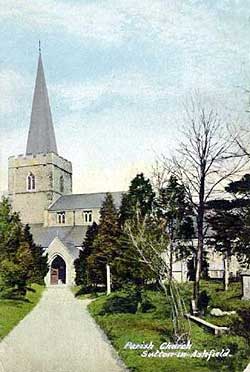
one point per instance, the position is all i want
(14, 87)
(185, 24)
(130, 88)
(87, 21)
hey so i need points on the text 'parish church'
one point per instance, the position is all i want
(40, 189)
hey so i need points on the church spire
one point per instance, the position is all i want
(41, 138)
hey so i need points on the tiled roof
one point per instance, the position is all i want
(70, 235)
(84, 201)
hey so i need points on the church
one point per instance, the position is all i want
(40, 189)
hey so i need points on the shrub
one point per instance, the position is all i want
(130, 300)
(118, 304)
(203, 301)
(241, 325)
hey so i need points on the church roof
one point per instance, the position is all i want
(69, 235)
(84, 201)
(41, 137)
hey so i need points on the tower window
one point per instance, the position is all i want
(31, 182)
(60, 217)
(61, 184)
(87, 216)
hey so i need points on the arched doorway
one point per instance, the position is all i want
(58, 271)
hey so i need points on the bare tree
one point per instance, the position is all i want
(204, 160)
(150, 242)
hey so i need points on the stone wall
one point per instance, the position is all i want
(72, 217)
(47, 169)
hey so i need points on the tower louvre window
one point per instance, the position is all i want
(31, 182)
(87, 216)
(61, 184)
(61, 217)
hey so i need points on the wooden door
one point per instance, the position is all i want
(54, 276)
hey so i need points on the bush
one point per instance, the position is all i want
(241, 325)
(130, 300)
(11, 279)
(146, 305)
(118, 304)
(203, 301)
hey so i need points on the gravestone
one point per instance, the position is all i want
(245, 277)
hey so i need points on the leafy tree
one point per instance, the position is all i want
(40, 264)
(81, 263)
(105, 244)
(241, 204)
(175, 208)
(140, 196)
(226, 225)
(240, 188)
(10, 230)
(20, 260)
(230, 221)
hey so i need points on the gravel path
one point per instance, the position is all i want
(58, 335)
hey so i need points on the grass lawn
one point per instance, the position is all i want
(12, 311)
(156, 326)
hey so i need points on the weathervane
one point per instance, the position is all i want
(39, 46)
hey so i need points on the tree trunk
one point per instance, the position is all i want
(171, 261)
(200, 246)
(198, 259)
(226, 272)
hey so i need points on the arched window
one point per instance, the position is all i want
(60, 217)
(61, 184)
(31, 182)
(87, 217)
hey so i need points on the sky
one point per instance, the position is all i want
(118, 74)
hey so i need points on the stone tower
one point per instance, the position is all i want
(41, 176)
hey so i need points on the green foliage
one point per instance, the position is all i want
(226, 225)
(11, 276)
(242, 247)
(203, 301)
(10, 230)
(140, 196)
(81, 264)
(21, 261)
(104, 244)
(40, 265)
(120, 304)
(241, 190)
(130, 300)
(241, 187)
(241, 324)
(128, 263)
(174, 206)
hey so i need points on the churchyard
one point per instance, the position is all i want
(118, 315)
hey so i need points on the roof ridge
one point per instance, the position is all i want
(94, 193)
